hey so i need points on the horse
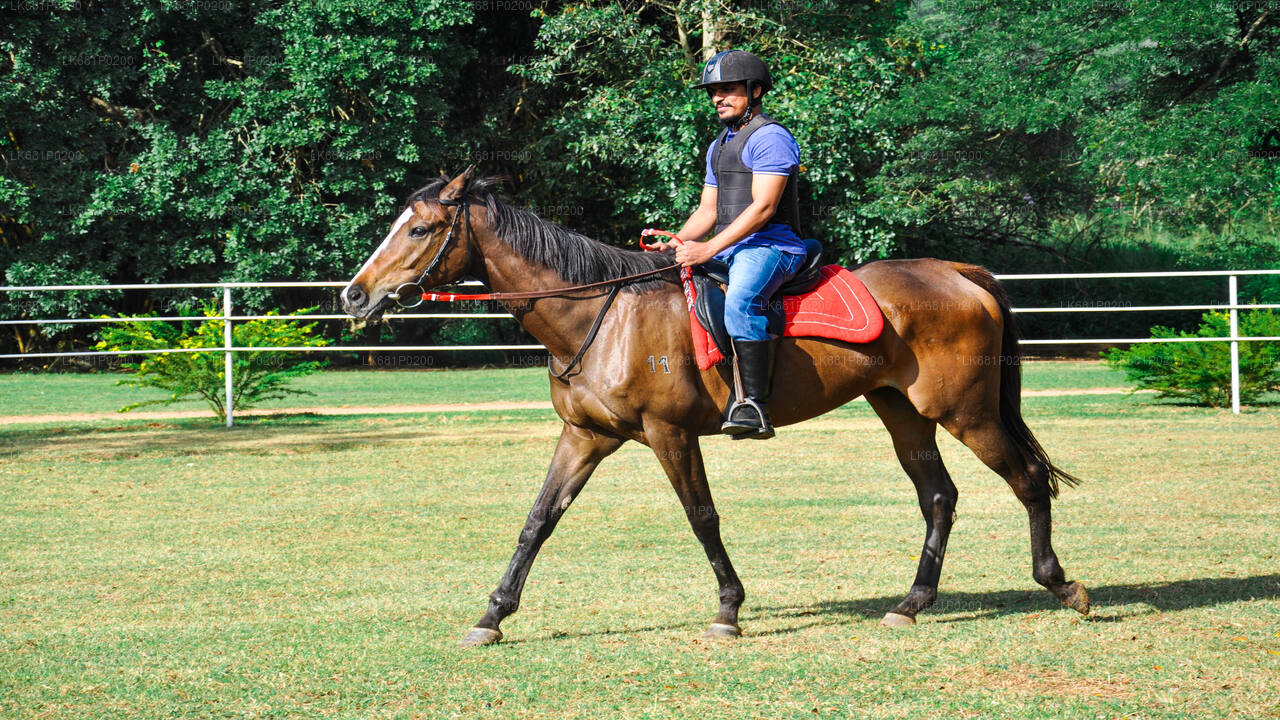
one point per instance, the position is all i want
(948, 355)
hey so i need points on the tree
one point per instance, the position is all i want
(219, 141)
(1027, 114)
(177, 141)
(621, 129)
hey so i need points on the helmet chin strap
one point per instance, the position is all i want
(753, 104)
(738, 121)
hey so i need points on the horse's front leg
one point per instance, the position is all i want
(577, 455)
(681, 457)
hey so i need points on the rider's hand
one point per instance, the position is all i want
(694, 253)
(661, 243)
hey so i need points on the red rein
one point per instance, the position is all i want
(685, 273)
(648, 232)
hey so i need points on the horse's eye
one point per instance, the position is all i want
(418, 232)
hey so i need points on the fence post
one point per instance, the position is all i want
(1235, 346)
(226, 351)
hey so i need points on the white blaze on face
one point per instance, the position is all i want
(400, 222)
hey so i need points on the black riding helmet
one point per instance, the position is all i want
(731, 66)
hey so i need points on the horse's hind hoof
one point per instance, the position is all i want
(897, 620)
(481, 636)
(719, 631)
(1077, 598)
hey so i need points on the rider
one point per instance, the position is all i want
(749, 198)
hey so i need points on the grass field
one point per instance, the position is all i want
(52, 394)
(308, 566)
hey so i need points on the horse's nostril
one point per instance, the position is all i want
(356, 295)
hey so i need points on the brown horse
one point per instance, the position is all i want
(948, 356)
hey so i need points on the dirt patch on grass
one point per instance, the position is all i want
(1080, 391)
(110, 444)
(1026, 680)
(391, 409)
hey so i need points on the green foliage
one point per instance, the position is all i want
(633, 136)
(256, 376)
(1201, 371)
(213, 141)
(1026, 113)
(176, 141)
(1077, 248)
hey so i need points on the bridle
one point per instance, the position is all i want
(424, 295)
(615, 284)
(462, 212)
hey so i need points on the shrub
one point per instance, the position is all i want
(1201, 371)
(256, 376)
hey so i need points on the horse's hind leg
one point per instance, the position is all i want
(1030, 482)
(577, 455)
(917, 449)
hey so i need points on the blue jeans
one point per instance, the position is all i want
(755, 274)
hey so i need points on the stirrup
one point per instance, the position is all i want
(736, 428)
(764, 433)
(757, 428)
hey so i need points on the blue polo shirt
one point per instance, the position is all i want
(771, 150)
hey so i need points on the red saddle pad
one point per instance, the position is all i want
(839, 308)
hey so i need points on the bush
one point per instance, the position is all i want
(256, 376)
(1201, 371)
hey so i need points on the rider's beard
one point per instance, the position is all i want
(733, 121)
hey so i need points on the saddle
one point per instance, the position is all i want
(822, 301)
(711, 277)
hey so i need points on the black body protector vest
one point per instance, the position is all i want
(733, 180)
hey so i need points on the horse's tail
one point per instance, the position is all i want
(1011, 383)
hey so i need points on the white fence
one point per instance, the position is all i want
(228, 319)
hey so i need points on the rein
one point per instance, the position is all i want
(461, 203)
(613, 293)
(614, 284)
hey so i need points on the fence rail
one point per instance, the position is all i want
(228, 320)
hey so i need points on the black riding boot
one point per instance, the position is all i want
(752, 374)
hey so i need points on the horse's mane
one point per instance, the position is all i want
(575, 257)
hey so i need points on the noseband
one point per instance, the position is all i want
(399, 295)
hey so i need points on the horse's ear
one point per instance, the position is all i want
(454, 191)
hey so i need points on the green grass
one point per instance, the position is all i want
(53, 393)
(1069, 375)
(309, 566)
(59, 393)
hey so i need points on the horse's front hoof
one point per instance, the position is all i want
(1076, 598)
(896, 620)
(719, 631)
(481, 636)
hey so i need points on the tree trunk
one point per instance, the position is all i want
(709, 36)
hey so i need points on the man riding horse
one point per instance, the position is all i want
(948, 356)
(749, 199)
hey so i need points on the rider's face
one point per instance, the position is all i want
(729, 99)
